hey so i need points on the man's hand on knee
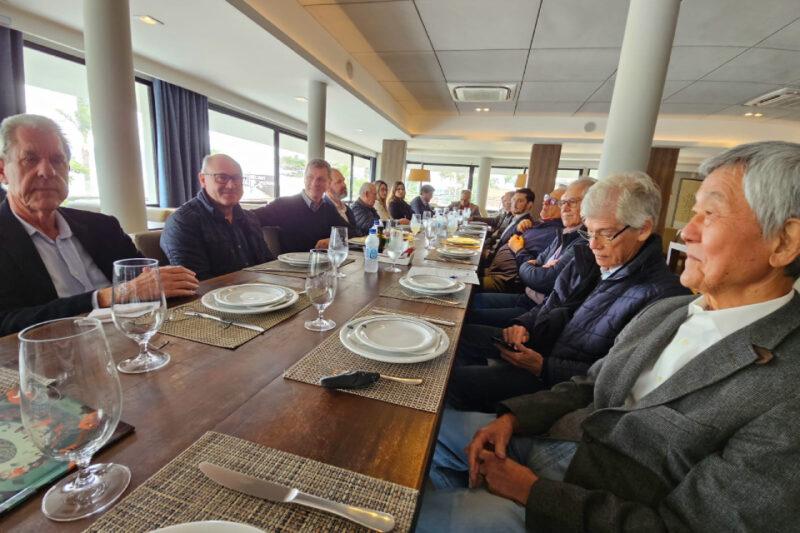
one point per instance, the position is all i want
(497, 434)
(506, 477)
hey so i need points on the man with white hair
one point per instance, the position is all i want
(55, 262)
(211, 234)
(692, 421)
(619, 272)
(364, 208)
(304, 220)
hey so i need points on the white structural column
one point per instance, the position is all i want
(481, 188)
(316, 119)
(112, 100)
(643, 62)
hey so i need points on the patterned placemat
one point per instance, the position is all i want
(215, 333)
(9, 379)
(279, 267)
(180, 493)
(434, 255)
(331, 357)
(395, 290)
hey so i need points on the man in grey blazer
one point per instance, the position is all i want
(691, 422)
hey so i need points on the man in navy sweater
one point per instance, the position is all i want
(305, 220)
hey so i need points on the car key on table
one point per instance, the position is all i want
(359, 379)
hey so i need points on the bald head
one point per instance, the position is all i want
(221, 179)
(213, 161)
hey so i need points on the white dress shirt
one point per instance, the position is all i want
(71, 268)
(701, 329)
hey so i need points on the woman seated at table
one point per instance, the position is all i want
(398, 207)
(383, 196)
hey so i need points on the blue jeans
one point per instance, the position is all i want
(454, 507)
(497, 309)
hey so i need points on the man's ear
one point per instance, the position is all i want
(202, 179)
(646, 230)
(787, 244)
(3, 178)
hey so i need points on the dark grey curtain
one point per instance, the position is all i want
(181, 141)
(12, 75)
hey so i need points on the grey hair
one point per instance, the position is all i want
(583, 183)
(365, 187)
(207, 160)
(318, 163)
(9, 126)
(771, 183)
(426, 189)
(633, 196)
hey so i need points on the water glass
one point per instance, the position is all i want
(416, 224)
(427, 215)
(394, 248)
(321, 288)
(338, 248)
(430, 233)
(138, 308)
(70, 401)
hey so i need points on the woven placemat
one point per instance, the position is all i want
(434, 255)
(331, 357)
(180, 493)
(215, 333)
(395, 290)
(9, 379)
(279, 267)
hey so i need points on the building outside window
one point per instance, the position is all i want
(293, 162)
(565, 176)
(447, 180)
(501, 180)
(56, 88)
(252, 146)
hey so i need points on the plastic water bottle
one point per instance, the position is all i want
(371, 251)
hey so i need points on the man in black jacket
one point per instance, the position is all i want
(305, 220)
(364, 208)
(211, 234)
(335, 195)
(55, 262)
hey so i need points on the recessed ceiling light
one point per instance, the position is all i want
(748, 114)
(478, 109)
(301, 99)
(758, 114)
(147, 19)
(359, 131)
(485, 109)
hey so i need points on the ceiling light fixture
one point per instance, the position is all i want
(150, 21)
(301, 99)
(748, 114)
(478, 109)
(359, 131)
(758, 114)
(485, 109)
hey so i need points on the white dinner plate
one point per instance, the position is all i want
(396, 334)
(211, 302)
(459, 286)
(477, 224)
(430, 283)
(457, 252)
(296, 258)
(250, 295)
(209, 526)
(347, 338)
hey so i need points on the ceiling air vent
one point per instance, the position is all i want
(786, 98)
(473, 92)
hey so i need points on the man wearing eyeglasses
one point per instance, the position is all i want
(618, 273)
(211, 234)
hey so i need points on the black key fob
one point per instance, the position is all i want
(357, 379)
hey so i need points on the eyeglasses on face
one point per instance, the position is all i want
(572, 202)
(549, 200)
(601, 237)
(220, 178)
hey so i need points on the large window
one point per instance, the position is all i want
(56, 88)
(342, 162)
(252, 146)
(362, 173)
(447, 180)
(293, 162)
(501, 180)
(565, 176)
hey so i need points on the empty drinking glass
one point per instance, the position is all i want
(138, 308)
(321, 288)
(430, 233)
(416, 224)
(337, 248)
(71, 400)
(395, 246)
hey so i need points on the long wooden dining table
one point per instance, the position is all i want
(242, 393)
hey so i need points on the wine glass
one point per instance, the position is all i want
(71, 400)
(416, 224)
(337, 248)
(321, 288)
(394, 248)
(430, 233)
(138, 308)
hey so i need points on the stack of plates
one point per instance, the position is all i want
(250, 299)
(298, 259)
(462, 241)
(432, 285)
(394, 339)
(457, 253)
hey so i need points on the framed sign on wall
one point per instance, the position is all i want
(685, 201)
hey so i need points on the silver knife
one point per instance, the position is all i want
(231, 322)
(278, 493)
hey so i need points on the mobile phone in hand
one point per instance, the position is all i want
(507, 345)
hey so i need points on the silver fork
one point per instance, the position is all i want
(423, 297)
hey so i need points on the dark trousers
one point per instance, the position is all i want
(478, 385)
(497, 309)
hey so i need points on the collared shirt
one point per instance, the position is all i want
(512, 226)
(340, 206)
(701, 329)
(309, 202)
(606, 273)
(71, 268)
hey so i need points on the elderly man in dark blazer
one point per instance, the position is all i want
(55, 262)
(691, 422)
